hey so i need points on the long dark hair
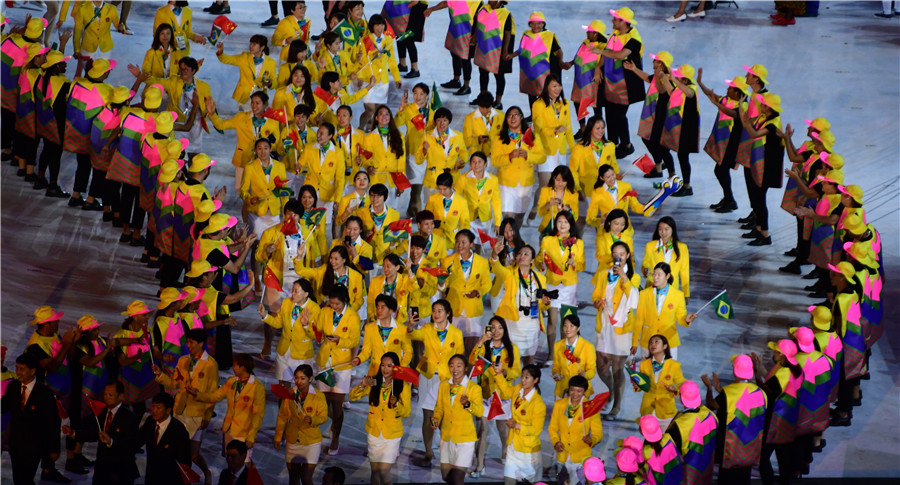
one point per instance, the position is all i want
(261, 41)
(517, 238)
(573, 229)
(308, 98)
(630, 270)
(504, 128)
(613, 215)
(328, 278)
(396, 384)
(589, 127)
(395, 139)
(669, 221)
(157, 43)
(296, 47)
(447, 308)
(566, 175)
(545, 96)
(507, 343)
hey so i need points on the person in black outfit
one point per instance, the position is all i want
(115, 464)
(764, 126)
(235, 457)
(616, 110)
(34, 422)
(167, 443)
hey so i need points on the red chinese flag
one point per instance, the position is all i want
(253, 477)
(317, 333)
(402, 224)
(486, 238)
(97, 406)
(400, 180)
(496, 408)
(630, 193)
(363, 152)
(280, 182)
(528, 138)
(370, 46)
(271, 280)
(325, 96)
(551, 266)
(593, 407)
(583, 107)
(477, 369)
(188, 475)
(289, 228)
(644, 163)
(406, 374)
(277, 115)
(281, 392)
(418, 122)
(225, 24)
(388, 31)
(60, 410)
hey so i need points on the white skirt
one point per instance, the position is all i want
(552, 162)
(300, 454)
(609, 342)
(428, 391)
(488, 227)
(516, 199)
(415, 172)
(378, 94)
(457, 454)
(382, 450)
(522, 466)
(568, 295)
(285, 365)
(526, 334)
(192, 425)
(260, 223)
(470, 326)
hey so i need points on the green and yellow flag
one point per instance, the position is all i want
(723, 306)
(326, 377)
(347, 32)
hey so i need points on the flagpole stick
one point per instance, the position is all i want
(710, 301)
(99, 428)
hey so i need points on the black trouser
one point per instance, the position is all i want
(684, 161)
(99, 185)
(131, 212)
(785, 454)
(273, 8)
(723, 175)
(802, 453)
(660, 154)
(25, 148)
(50, 158)
(531, 100)
(112, 196)
(802, 244)
(758, 202)
(749, 183)
(170, 269)
(844, 402)
(463, 67)
(617, 124)
(150, 244)
(734, 476)
(499, 77)
(408, 45)
(7, 128)
(24, 466)
(82, 173)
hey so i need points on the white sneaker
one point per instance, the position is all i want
(680, 18)
(697, 15)
(346, 405)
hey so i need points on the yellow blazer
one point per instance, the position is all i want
(414, 136)
(340, 352)
(316, 241)
(287, 30)
(457, 285)
(647, 322)
(681, 267)
(438, 158)
(242, 123)
(285, 99)
(326, 175)
(452, 219)
(381, 63)
(484, 204)
(570, 200)
(509, 279)
(349, 144)
(377, 240)
(383, 160)
(435, 252)
(623, 289)
(403, 290)
(585, 361)
(658, 398)
(275, 263)
(374, 348)
(284, 71)
(92, 32)
(475, 125)
(248, 79)
(291, 156)
(205, 378)
(363, 249)
(528, 411)
(546, 121)
(291, 423)
(315, 276)
(517, 171)
(329, 112)
(157, 64)
(175, 90)
(245, 409)
(456, 422)
(383, 420)
(345, 67)
(255, 184)
(585, 165)
(603, 201)
(571, 432)
(185, 28)
(605, 240)
(436, 357)
(511, 364)
(294, 336)
(551, 245)
(422, 291)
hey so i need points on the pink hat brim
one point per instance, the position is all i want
(54, 317)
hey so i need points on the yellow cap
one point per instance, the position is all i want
(169, 171)
(45, 314)
(625, 14)
(845, 268)
(200, 162)
(53, 58)
(596, 26)
(169, 296)
(206, 209)
(685, 71)
(771, 100)
(854, 191)
(121, 94)
(199, 268)
(137, 307)
(759, 71)
(821, 317)
(152, 97)
(164, 122)
(854, 223)
(833, 160)
(219, 222)
(739, 83)
(100, 67)
(35, 50)
(87, 322)
(35, 28)
(537, 17)
(826, 138)
(663, 56)
(819, 124)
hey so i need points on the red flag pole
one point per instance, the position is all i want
(99, 428)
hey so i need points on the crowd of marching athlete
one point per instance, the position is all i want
(351, 282)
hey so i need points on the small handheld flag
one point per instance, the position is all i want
(593, 407)
(477, 369)
(583, 107)
(406, 374)
(60, 410)
(324, 95)
(400, 180)
(722, 304)
(644, 163)
(281, 392)
(270, 280)
(326, 377)
(347, 32)
(566, 310)
(486, 238)
(528, 138)
(435, 98)
(438, 273)
(278, 115)
(314, 217)
(97, 407)
(221, 27)
(638, 379)
(496, 408)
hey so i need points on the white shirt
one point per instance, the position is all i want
(162, 426)
(27, 389)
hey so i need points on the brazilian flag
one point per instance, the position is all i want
(326, 377)
(566, 310)
(347, 32)
(435, 98)
(723, 306)
(640, 380)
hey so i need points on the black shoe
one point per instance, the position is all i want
(21, 172)
(314, 38)
(579, 134)
(752, 234)
(271, 22)
(497, 106)
(402, 68)
(412, 74)
(717, 204)
(53, 475)
(747, 226)
(40, 183)
(856, 402)
(107, 216)
(225, 9)
(792, 253)
(791, 268)
(56, 191)
(118, 223)
(684, 191)
(463, 91)
(145, 258)
(750, 218)
(727, 207)
(139, 242)
(822, 444)
(4, 156)
(93, 206)
(215, 8)
(73, 202)
(30, 177)
(73, 467)
(452, 84)
(209, 8)
(473, 102)
(837, 421)
(624, 151)
(153, 263)
(817, 294)
(83, 461)
(652, 175)
(812, 275)
(761, 241)
(815, 287)
(124, 238)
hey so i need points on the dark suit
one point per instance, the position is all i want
(33, 430)
(174, 446)
(225, 477)
(115, 464)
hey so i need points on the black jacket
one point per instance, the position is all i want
(35, 429)
(114, 463)
(174, 446)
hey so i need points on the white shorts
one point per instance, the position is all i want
(285, 366)
(300, 454)
(576, 472)
(522, 466)
(192, 425)
(457, 454)
(552, 162)
(470, 326)
(415, 172)
(568, 295)
(258, 224)
(378, 94)
(609, 342)
(428, 391)
(525, 334)
(341, 382)
(584, 205)
(516, 199)
(382, 450)
(195, 137)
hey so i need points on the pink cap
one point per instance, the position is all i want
(788, 348)
(690, 394)
(805, 338)
(650, 428)
(627, 460)
(743, 366)
(633, 442)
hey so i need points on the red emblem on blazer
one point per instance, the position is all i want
(246, 398)
(308, 409)
(344, 329)
(354, 290)
(452, 344)
(201, 375)
(668, 377)
(671, 306)
(455, 213)
(396, 341)
(165, 446)
(330, 164)
(489, 191)
(523, 412)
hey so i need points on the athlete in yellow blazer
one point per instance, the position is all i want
(376, 218)
(384, 420)
(333, 59)
(257, 188)
(246, 397)
(453, 414)
(572, 435)
(660, 308)
(553, 124)
(284, 71)
(384, 334)
(426, 284)
(299, 418)
(333, 86)
(466, 292)
(347, 332)
(608, 197)
(481, 191)
(358, 247)
(249, 80)
(407, 112)
(660, 398)
(435, 247)
(573, 356)
(157, 62)
(437, 353)
(511, 280)
(202, 376)
(294, 26)
(528, 410)
(400, 289)
(610, 232)
(518, 170)
(452, 217)
(295, 336)
(383, 160)
(442, 151)
(655, 252)
(560, 255)
(548, 209)
(285, 99)
(586, 161)
(174, 87)
(92, 28)
(623, 289)
(481, 125)
(299, 135)
(510, 362)
(348, 140)
(356, 286)
(378, 60)
(183, 29)
(324, 163)
(247, 132)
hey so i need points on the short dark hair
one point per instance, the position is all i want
(484, 100)
(424, 215)
(28, 360)
(197, 335)
(238, 446)
(294, 206)
(388, 300)
(340, 292)
(337, 475)
(164, 398)
(303, 109)
(466, 234)
(379, 189)
(189, 62)
(578, 381)
(306, 369)
(419, 241)
(443, 112)
(445, 179)
(346, 107)
(423, 87)
(262, 95)
(120, 388)
(245, 360)
(329, 78)
(328, 126)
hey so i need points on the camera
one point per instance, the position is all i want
(617, 262)
(551, 294)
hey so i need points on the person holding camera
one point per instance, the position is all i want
(561, 258)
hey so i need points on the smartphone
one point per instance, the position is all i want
(497, 361)
(347, 240)
(414, 312)
(488, 329)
